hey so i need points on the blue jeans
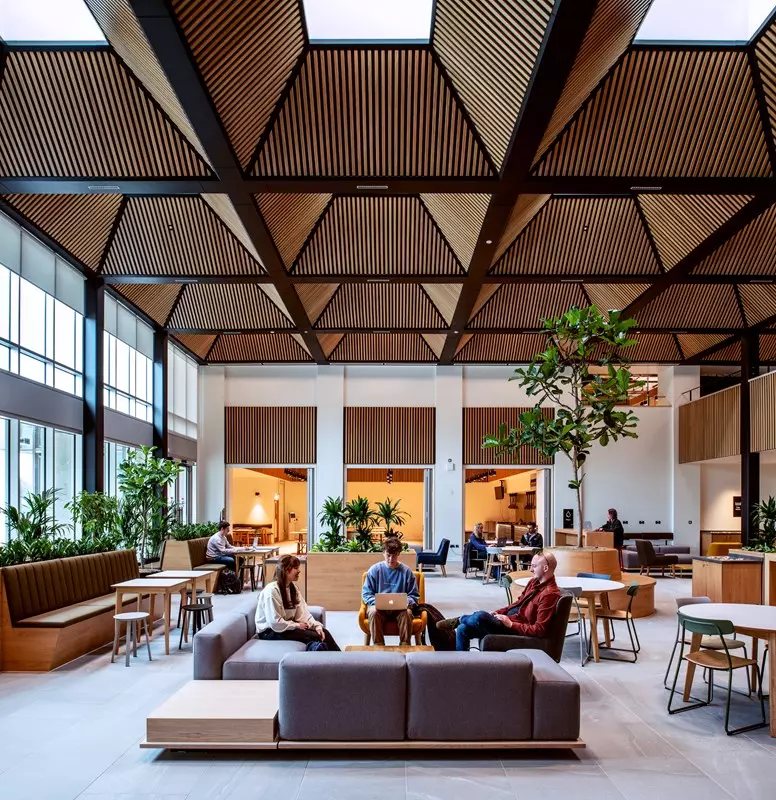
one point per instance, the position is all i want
(476, 626)
(227, 561)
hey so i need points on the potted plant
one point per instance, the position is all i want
(585, 402)
(98, 514)
(389, 515)
(360, 516)
(764, 518)
(332, 518)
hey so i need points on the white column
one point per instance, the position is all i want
(448, 484)
(329, 467)
(211, 473)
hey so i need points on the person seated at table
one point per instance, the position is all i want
(530, 615)
(390, 577)
(531, 538)
(477, 541)
(614, 525)
(219, 549)
(281, 612)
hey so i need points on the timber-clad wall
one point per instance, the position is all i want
(477, 422)
(762, 425)
(391, 436)
(270, 434)
(709, 427)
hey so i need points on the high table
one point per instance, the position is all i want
(251, 553)
(591, 587)
(193, 576)
(756, 621)
(164, 586)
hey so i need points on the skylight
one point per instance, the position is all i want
(704, 20)
(340, 21)
(48, 21)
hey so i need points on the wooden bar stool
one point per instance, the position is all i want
(251, 569)
(132, 620)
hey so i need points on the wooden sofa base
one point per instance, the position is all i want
(282, 744)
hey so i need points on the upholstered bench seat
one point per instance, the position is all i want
(62, 617)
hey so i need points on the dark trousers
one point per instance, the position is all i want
(227, 561)
(477, 626)
(298, 635)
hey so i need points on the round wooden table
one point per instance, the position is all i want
(591, 587)
(756, 621)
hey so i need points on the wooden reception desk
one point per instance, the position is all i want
(727, 580)
(567, 537)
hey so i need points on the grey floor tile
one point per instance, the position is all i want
(647, 778)
(541, 781)
(360, 780)
(447, 780)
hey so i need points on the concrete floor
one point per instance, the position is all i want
(73, 733)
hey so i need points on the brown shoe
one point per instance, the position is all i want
(448, 624)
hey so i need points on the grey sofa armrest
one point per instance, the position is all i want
(494, 642)
(218, 640)
(318, 613)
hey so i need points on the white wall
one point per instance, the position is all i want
(372, 385)
(211, 474)
(720, 482)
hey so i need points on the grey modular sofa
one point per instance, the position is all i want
(630, 558)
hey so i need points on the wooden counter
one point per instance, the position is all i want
(727, 580)
(567, 537)
(707, 537)
(769, 573)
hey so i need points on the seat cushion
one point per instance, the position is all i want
(77, 612)
(258, 659)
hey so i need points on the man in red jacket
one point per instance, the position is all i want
(529, 616)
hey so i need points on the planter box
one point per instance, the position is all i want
(567, 537)
(573, 560)
(769, 573)
(334, 579)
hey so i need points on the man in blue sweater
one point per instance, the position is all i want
(390, 577)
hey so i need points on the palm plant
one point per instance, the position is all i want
(388, 514)
(764, 518)
(360, 516)
(97, 514)
(37, 522)
(332, 517)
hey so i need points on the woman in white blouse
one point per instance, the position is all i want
(282, 613)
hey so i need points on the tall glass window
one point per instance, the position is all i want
(182, 376)
(5, 465)
(115, 454)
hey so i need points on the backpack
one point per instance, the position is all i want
(440, 640)
(228, 582)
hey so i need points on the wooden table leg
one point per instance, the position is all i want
(607, 629)
(167, 617)
(117, 611)
(753, 668)
(772, 679)
(183, 602)
(694, 647)
(593, 627)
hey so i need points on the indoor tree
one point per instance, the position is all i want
(585, 402)
(360, 516)
(764, 520)
(332, 518)
(98, 514)
(388, 514)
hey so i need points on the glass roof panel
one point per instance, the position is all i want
(49, 21)
(704, 20)
(339, 21)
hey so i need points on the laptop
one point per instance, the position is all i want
(388, 601)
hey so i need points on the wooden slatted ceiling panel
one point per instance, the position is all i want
(80, 223)
(524, 305)
(762, 419)
(752, 251)
(126, 36)
(380, 305)
(329, 341)
(609, 296)
(478, 422)
(290, 218)
(494, 475)
(653, 347)
(175, 236)
(460, 218)
(299, 339)
(694, 343)
(645, 117)
(759, 302)
(377, 236)
(262, 348)
(222, 207)
(155, 300)
(486, 292)
(380, 475)
(611, 30)
(315, 297)
(679, 223)
(489, 50)
(525, 209)
(731, 354)
(81, 113)
(389, 435)
(768, 349)
(507, 348)
(436, 341)
(360, 111)
(382, 348)
(709, 427)
(596, 235)
(198, 343)
(280, 474)
(246, 51)
(765, 51)
(270, 434)
(445, 297)
(692, 306)
(219, 306)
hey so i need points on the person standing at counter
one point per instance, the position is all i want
(614, 525)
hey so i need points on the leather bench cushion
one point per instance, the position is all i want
(78, 612)
(441, 706)
(342, 697)
(258, 659)
(198, 551)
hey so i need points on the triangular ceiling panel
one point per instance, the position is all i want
(299, 339)
(197, 343)
(765, 51)
(155, 300)
(335, 99)
(489, 51)
(226, 307)
(768, 349)
(226, 212)
(274, 296)
(329, 341)
(524, 210)
(680, 222)
(645, 119)
(752, 251)
(81, 113)
(730, 353)
(582, 235)
(175, 236)
(653, 347)
(436, 341)
(759, 302)
(460, 218)
(377, 236)
(613, 296)
(315, 297)
(380, 306)
(486, 292)
(692, 306)
(694, 343)
(464, 340)
(445, 297)
(246, 51)
(81, 224)
(258, 347)
(522, 305)
(383, 348)
(290, 218)
(501, 348)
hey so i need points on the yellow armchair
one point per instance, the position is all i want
(391, 628)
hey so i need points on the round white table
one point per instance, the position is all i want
(756, 621)
(591, 587)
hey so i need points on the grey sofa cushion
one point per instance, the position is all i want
(216, 642)
(319, 613)
(341, 697)
(555, 698)
(258, 659)
(441, 704)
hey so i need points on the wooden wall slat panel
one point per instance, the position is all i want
(762, 418)
(270, 434)
(477, 422)
(709, 427)
(390, 436)
(400, 475)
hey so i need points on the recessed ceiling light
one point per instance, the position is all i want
(104, 188)
(489, 241)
